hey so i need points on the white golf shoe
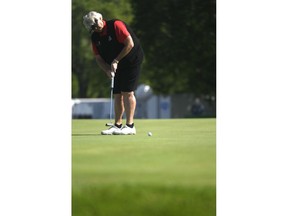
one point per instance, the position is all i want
(125, 131)
(110, 131)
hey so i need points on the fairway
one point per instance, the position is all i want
(170, 173)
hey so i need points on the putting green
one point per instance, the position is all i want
(114, 174)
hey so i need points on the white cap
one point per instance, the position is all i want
(89, 19)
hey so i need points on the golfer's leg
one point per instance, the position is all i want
(119, 108)
(130, 106)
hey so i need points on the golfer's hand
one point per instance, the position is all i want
(114, 65)
(110, 74)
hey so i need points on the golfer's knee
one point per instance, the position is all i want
(128, 94)
(118, 97)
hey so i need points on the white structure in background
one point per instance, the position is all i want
(98, 108)
(151, 106)
(148, 106)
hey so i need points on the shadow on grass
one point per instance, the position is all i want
(87, 134)
(143, 200)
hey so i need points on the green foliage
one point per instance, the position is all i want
(178, 38)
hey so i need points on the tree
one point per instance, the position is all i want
(179, 40)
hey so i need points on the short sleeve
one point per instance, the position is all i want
(121, 31)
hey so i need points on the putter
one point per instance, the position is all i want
(111, 101)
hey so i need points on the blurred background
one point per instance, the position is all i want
(178, 77)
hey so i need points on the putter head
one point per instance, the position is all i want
(109, 124)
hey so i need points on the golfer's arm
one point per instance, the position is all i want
(128, 45)
(102, 64)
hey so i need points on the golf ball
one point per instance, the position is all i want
(149, 134)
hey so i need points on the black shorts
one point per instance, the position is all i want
(126, 79)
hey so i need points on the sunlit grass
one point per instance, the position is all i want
(172, 172)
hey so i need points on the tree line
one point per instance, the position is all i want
(178, 38)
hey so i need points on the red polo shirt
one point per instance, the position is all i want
(120, 31)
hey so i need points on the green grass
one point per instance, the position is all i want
(170, 173)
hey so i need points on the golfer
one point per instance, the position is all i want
(117, 51)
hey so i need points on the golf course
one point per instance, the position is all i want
(172, 172)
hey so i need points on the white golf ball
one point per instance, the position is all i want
(149, 134)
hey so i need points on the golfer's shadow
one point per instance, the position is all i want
(86, 134)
